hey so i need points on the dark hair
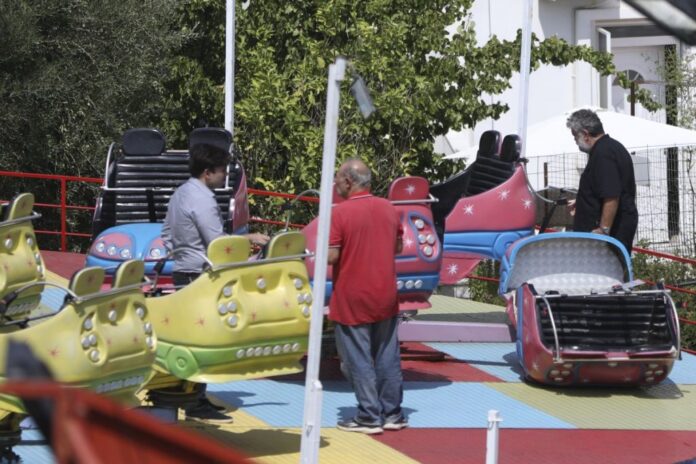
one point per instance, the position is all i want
(204, 156)
(585, 120)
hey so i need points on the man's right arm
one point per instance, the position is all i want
(167, 234)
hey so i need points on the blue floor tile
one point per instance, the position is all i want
(684, 371)
(496, 359)
(427, 404)
(33, 448)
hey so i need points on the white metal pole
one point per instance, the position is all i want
(229, 64)
(607, 80)
(492, 437)
(525, 59)
(311, 426)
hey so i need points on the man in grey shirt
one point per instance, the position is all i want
(193, 221)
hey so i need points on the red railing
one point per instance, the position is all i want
(65, 207)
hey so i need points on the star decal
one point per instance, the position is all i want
(253, 316)
(165, 321)
(135, 340)
(527, 203)
(452, 269)
(286, 305)
(504, 194)
(469, 209)
(535, 366)
(408, 242)
(410, 189)
(228, 250)
(54, 352)
(200, 321)
(108, 342)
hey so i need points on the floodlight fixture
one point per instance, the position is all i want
(361, 94)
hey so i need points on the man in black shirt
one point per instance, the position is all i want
(606, 201)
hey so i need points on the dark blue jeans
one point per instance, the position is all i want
(371, 362)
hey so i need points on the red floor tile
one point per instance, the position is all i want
(536, 446)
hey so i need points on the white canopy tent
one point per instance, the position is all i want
(549, 139)
(552, 137)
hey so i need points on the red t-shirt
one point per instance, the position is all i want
(365, 228)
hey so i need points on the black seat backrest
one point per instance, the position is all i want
(146, 176)
(511, 148)
(141, 142)
(451, 190)
(490, 170)
(143, 165)
(216, 136)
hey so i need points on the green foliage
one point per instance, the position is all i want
(74, 74)
(486, 291)
(677, 275)
(424, 81)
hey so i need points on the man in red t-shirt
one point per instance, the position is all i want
(365, 238)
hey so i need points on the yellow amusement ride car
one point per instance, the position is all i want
(240, 319)
(102, 340)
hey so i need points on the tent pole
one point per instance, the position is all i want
(525, 58)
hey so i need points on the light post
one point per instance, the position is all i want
(311, 424)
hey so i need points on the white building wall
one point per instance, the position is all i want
(553, 90)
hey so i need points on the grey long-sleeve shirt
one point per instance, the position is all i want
(193, 221)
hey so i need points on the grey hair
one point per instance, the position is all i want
(361, 179)
(585, 120)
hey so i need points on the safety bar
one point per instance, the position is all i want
(676, 321)
(430, 199)
(288, 206)
(557, 357)
(611, 293)
(106, 167)
(20, 220)
(241, 264)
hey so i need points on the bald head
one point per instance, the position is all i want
(353, 176)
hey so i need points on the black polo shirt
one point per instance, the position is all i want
(608, 174)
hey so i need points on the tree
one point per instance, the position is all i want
(425, 81)
(75, 74)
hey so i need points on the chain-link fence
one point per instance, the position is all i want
(666, 193)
